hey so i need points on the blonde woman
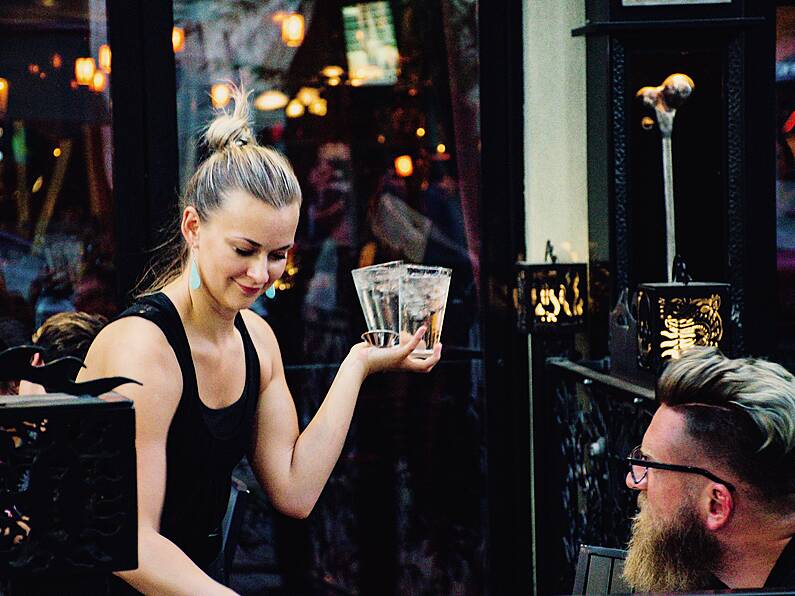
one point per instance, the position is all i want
(213, 385)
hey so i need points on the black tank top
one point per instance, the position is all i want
(204, 444)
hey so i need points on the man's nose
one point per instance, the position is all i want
(635, 485)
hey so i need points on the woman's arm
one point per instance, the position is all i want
(293, 467)
(136, 348)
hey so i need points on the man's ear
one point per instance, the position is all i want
(190, 225)
(721, 506)
(37, 360)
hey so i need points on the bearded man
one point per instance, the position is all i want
(716, 475)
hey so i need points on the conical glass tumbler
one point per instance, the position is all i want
(378, 288)
(423, 299)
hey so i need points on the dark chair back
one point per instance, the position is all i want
(599, 571)
(238, 498)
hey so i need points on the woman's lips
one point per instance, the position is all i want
(249, 291)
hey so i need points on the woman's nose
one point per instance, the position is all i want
(258, 271)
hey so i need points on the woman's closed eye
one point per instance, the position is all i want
(279, 256)
(244, 252)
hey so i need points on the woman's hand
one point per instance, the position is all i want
(398, 357)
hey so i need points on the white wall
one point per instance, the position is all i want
(556, 205)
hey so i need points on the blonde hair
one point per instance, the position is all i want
(237, 162)
(741, 410)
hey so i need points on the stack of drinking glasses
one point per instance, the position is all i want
(397, 299)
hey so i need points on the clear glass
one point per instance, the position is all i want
(423, 300)
(57, 240)
(378, 289)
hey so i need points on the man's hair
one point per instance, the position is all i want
(742, 412)
(68, 334)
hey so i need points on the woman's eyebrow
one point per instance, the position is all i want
(249, 240)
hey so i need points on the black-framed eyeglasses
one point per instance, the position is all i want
(639, 468)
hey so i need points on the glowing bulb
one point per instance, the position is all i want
(98, 82)
(56, 60)
(3, 97)
(332, 71)
(271, 100)
(38, 184)
(84, 71)
(333, 81)
(293, 30)
(381, 139)
(104, 57)
(220, 93)
(319, 107)
(56, 152)
(307, 95)
(420, 132)
(404, 166)
(440, 148)
(178, 39)
(294, 109)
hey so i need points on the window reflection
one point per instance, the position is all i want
(382, 130)
(785, 172)
(56, 206)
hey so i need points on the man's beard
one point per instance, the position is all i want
(676, 555)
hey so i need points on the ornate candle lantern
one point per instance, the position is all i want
(676, 315)
(551, 297)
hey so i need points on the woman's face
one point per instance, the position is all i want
(242, 248)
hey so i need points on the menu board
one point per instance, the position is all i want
(370, 44)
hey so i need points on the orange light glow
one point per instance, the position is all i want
(294, 109)
(98, 82)
(56, 152)
(332, 71)
(3, 95)
(333, 81)
(293, 30)
(84, 71)
(404, 166)
(319, 107)
(56, 60)
(420, 132)
(441, 148)
(104, 58)
(178, 39)
(220, 94)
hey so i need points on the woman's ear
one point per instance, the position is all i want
(190, 225)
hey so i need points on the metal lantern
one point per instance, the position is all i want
(672, 317)
(552, 297)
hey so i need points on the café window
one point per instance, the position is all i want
(381, 130)
(56, 199)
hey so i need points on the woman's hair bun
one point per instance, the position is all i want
(229, 129)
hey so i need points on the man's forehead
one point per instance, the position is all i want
(666, 434)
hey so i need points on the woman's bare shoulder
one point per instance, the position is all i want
(133, 347)
(258, 328)
(265, 343)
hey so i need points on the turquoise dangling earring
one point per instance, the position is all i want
(195, 280)
(271, 292)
